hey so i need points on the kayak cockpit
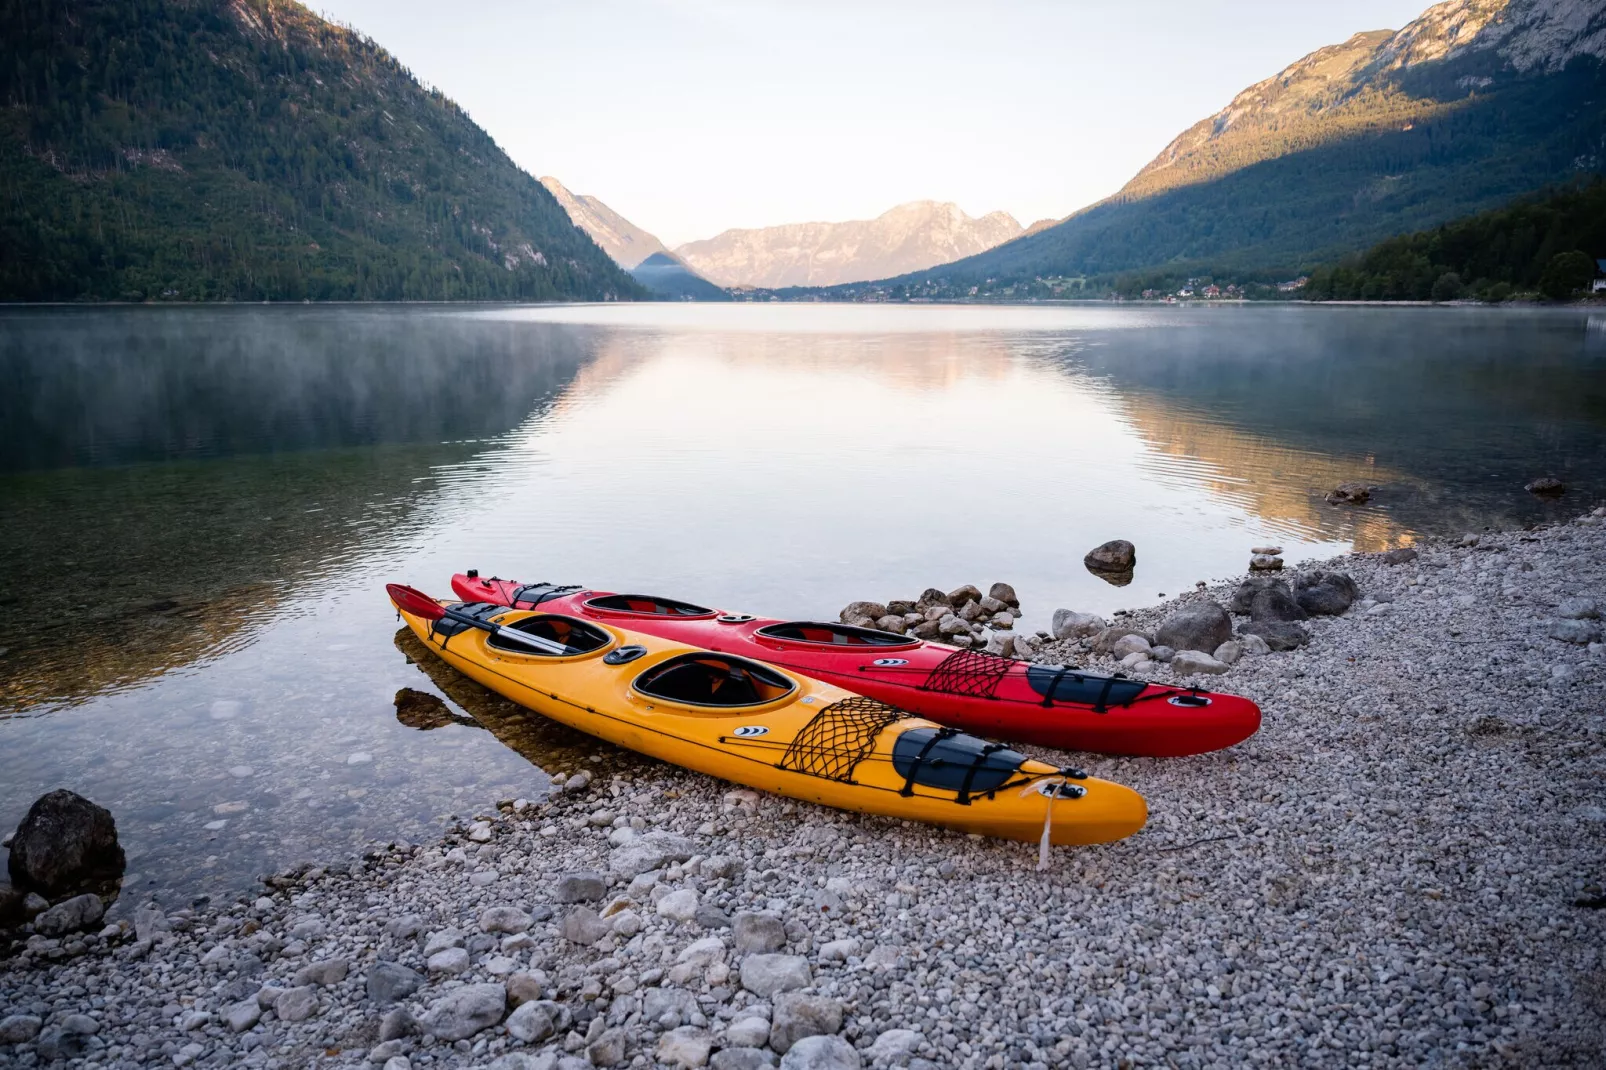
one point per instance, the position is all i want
(648, 605)
(574, 637)
(714, 680)
(819, 633)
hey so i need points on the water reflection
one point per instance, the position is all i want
(201, 507)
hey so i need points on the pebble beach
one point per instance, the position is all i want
(1404, 867)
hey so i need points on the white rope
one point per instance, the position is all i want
(1046, 841)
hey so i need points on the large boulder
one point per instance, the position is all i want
(1069, 624)
(465, 1011)
(1325, 594)
(1200, 625)
(1004, 593)
(79, 912)
(960, 595)
(856, 610)
(65, 844)
(797, 1016)
(1117, 555)
(1277, 635)
(1265, 598)
(931, 597)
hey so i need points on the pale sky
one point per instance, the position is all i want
(689, 117)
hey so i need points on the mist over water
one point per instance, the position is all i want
(201, 506)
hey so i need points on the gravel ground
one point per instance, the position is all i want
(1403, 867)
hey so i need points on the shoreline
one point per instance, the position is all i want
(1390, 872)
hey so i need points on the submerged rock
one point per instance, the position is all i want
(1546, 487)
(1349, 494)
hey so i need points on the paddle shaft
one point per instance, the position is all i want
(514, 634)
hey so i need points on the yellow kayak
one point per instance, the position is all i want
(753, 724)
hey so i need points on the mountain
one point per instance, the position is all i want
(1473, 103)
(621, 239)
(1527, 246)
(666, 276)
(249, 150)
(907, 238)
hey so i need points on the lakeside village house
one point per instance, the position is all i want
(1211, 290)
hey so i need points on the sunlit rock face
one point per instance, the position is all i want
(910, 237)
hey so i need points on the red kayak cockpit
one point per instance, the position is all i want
(820, 633)
(649, 605)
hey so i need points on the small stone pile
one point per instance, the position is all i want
(963, 617)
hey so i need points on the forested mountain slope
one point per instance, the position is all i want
(247, 149)
(1473, 103)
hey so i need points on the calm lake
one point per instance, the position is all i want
(200, 507)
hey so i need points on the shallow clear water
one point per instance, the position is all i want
(200, 506)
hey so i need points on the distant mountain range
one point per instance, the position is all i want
(909, 237)
(621, 239)
(666, 276)
(206, 150)
(1471, 104)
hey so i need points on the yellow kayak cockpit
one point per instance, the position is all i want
(757, 725)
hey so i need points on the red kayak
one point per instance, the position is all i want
(1049, 705)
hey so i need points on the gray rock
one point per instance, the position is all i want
(450, 962)
(328, 972)
(821, 1053)
(79, 912)
(742, 1058)
(1581, 632)
(1128, 645)
(1578, 609)
(654, 850)
(1105, 641)
(296, 1004)
(523, 1060)
(856, 610)
(1349, 494)
(1069, 624)
(751, 1032)
(1161, 653)
(504, 919)
(758, 931)
(711, 917)
(678, 905)
(769, 975)
(1202, 625)
(1546, 487)
(465, 1011)
(930, 598)
(19, 1028)
(64, 844)
(530, 1023)
(1399, 556)
(1000, 644)
(405, 927)
(1277, 635)
(1003, 592)
(1265, 598)
(796, 1016)
(893, 623)
(608, 1049)
(524, 988)
(80, 1023)
(1229, 652)
(895, 1042)
(687, 1047)
(397, 1023)
(582, 925)
(1325, 594)
(391, 982)
(1189, 662)
(582, 887)
(242, 1015)
(667, 1007)
(1252, 644)
(1117, 555)
(440, 941)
